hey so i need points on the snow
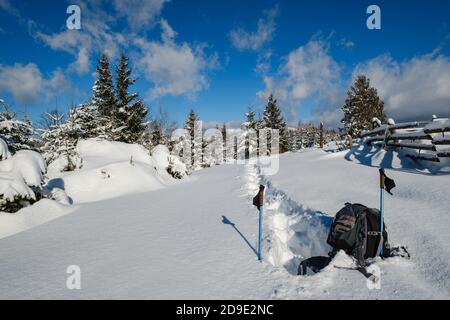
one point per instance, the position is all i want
(163, 158)
(110, 170)
(41, 212)
(438, 124)
(377, 121)
(196, 239)
(13, 185)
(20, 172)
(28, 164)
(4, 152)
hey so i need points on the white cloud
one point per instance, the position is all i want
(263, 62)
(82, 64)
(139, 13)
(9, 8)
(244, 40)
(174, 69)
(95, 36)
(27, 84)
(414, 89)
(346, 43)
(308, 72)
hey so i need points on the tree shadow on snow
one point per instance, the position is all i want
(225, 220)
(364, 154)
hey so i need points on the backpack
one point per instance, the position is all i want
(356, 230)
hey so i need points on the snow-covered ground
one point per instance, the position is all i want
(196, 238)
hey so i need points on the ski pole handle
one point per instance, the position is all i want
(261, 195)
(381, 178)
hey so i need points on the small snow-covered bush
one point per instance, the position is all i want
(175, 171)
(171, 163)
(4, 152)
(16, 133)
(21, 179)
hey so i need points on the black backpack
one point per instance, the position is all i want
(356, 230)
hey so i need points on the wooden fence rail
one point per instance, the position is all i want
(418, 135)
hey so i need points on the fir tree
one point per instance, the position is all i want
(52, 117)
(193, 127)
(17, 134)
(157, 134)
(248, 143)
(361, 106)
(273, 119)
(224, 142)
(103, 91)
(129, 114)
(84, 122)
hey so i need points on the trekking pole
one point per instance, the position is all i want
(258, 201)
(382, 176)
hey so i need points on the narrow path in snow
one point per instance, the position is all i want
(295, 232)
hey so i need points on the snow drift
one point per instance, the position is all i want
(112, 169)
(108, 170)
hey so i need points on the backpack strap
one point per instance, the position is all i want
(359, 250)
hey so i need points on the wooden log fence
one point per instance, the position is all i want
(417, 135)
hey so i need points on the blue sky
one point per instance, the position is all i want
(221, 57)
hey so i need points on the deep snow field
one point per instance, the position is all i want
(135, 232)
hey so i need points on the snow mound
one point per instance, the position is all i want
(161, 155)
(100, 152)
(111, 169)
(110, 181)
(32, 216)
(28, 164)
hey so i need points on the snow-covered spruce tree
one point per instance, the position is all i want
(156, 134)
(212, 148)
(273, 119)
(361, 106)
(129, 114)
(248, 143)
(291, 136)
(193, 127)
(301, 136)
(17, 134)
(312, 134)
(52, 117)
(103, 91)
(321, 136)
(84, 122)
(224, 142)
